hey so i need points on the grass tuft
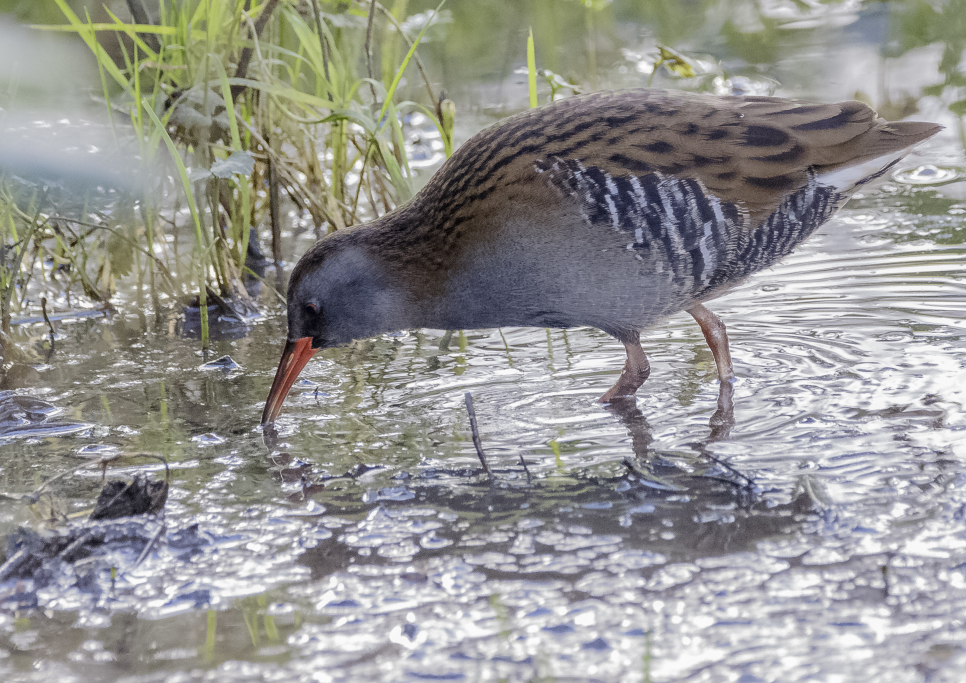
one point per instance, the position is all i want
(255, 104)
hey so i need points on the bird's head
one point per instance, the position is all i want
(337, 293)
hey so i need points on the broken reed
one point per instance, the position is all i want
(244, 102)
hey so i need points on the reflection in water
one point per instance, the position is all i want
(804, 523)
(372, 520)
(634, 509)
(23, 416)
(721, 423)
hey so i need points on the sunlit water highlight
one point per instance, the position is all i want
(820, 538)
(823, 534)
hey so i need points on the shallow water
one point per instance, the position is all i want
(831, 546)
(820, 538)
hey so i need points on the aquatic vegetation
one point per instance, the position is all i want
(235, 116)
(229, 111)
(819, 536)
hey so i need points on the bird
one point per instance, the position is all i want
(611, 210)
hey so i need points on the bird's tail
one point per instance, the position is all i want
(882, 147)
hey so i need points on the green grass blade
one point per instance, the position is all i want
(199, 230)
(236, 143)
(124, 28)
(404, 189)
(87, 35)
(405, 62)
(130, 30)
(230, 107)
(532, 69)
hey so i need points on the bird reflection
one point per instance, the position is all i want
(625, 409)
(724, 417)
(662, 503)
(721, 423)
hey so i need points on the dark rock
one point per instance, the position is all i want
(128, 499)
(48, 557)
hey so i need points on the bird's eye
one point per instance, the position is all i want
(311, 309)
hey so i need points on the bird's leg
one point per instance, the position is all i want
(724, 417)
(717, 337)
(636, 369)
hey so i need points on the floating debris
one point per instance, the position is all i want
(26, 416)
(76, 553)
(40, 556)
(99, 451)
(225, 364)
(128, 499)
(228, 317)
(209, 439)
(223, 324)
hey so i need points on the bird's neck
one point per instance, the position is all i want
(414, 267)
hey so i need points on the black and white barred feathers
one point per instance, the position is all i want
(677, 223)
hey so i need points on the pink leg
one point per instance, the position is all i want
(717, 337)
(636, 369)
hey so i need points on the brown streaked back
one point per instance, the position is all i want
(750, 151)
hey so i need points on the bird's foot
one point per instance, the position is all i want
(619, 393)
(630, 381)
(635, 373)
(724, 417)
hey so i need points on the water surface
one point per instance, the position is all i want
(821, 538)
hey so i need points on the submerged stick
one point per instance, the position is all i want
(476, 431)
(50, 328)
(241, 71)
(150, 544)
(323, 43)
(273, 210)
(526, 469)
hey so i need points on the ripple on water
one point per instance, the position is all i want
(927, 174)
(369, 545)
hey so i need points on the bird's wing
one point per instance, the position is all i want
(716, 188)
(722, 186)
(747, 151)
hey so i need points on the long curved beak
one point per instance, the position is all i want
(294, 357)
